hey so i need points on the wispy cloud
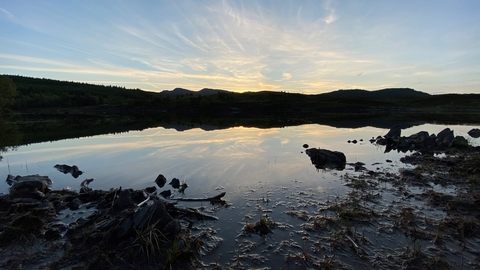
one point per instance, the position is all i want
(6, 13)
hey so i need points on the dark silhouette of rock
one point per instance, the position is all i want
(445, 137)
(151, 189)
(459, 141)
(175, 183)
(323, 158)
(161, 180)
(166, 193)
(124, 200)
(31, 186)
(394, 133)
(305, 146)
(73, 170)
(474, 133)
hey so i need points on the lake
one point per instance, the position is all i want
(262, 171)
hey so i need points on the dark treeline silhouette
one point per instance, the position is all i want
(43, 93)
(47, 96)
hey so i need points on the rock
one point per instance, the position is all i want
(73, 170)
(52, 234)
(175, 183)
(445, 137)
(407, 172)
(124, 199)
(419, 138)
(74, 204)
(323, 158)
(84, 188)
(166, 193)
(474, 133)
(459, 141)
(394, 133)
(151, 189)
(149, 215)
(30, 186)
(172, 228)
(305, 146)
(161, 180)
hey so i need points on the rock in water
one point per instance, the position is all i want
(175, 183)
(166, 193)
(394, 133)
(474, 133)
(161, 180)
(323, 158)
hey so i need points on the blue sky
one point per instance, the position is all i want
(294, 46)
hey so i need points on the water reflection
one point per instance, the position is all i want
(229, 158)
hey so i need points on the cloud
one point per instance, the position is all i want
(332, 16)
(7, 13)
(286, 76)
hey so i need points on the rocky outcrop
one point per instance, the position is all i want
(421, 141)
(123, 220)
(323, 158)
(30, 186)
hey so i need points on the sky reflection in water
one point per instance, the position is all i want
(206, 160)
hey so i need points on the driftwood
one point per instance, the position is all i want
(214, 198)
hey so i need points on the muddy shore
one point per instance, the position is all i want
(433, 206)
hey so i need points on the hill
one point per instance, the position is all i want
(186, 92)
(387, 93)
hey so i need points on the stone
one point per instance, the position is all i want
(459, 141)
(166, 193)
(445, 137)
(474, 133)
(175, 183)
(161, 180)
(394, 133)
(73, 170)
(151, 189)
(124, 199)
(323, 158)
(149, 215)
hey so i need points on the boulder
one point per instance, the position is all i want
(175, 183)
(474, 133)
(323, 158)
(124, 199)
(459, 141)
(161, 180)
(394, 133)
(445, 137)
(30, 186)
(419, 138)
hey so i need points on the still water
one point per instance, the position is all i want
(251, 165)
(206, 160)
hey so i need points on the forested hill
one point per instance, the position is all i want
(35, 93)
(387, 93)
(41, 93)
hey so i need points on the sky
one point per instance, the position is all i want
(307, 47)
